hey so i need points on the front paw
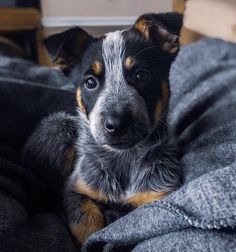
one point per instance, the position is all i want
(90, 221)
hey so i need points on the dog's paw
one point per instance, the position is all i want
(90, 220)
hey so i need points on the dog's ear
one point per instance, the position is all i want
(66, 48)
(163, 29)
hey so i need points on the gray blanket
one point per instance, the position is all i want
(201, 216)
(30, 219)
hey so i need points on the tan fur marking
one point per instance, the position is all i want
(158, 109)
(97, 67)
(129, 62)
(59, 62)
(80, 101)
(83, 188)
(143, 27)
(145, 197)
(91, 222)
(162, 103)
(174, 49)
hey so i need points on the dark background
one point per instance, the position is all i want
(20, 3)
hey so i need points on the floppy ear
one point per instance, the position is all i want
(163, 29)
(66, 48)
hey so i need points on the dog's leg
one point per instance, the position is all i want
(49, 153)
(84, 214)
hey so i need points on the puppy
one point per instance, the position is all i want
(123, 154)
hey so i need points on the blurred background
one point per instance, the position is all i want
(28, 22)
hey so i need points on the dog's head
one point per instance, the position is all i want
(121, 77)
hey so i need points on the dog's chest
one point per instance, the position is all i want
(114, 177)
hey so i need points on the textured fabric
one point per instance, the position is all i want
(200, 216)
(27, 221)
(12, 69)
(27, 94)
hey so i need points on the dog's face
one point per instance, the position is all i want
(121, 77)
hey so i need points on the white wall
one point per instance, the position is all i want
(98, 12)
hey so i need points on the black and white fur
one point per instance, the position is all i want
(112, 161)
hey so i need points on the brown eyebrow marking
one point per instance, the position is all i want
(129, 62)
(97, 67)
(143, 27)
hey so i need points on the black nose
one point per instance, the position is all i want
(117, 125)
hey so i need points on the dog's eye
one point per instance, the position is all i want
(91, 83)
(142, 75)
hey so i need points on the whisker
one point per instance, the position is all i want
(147, 48)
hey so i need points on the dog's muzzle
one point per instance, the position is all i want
(119, 121)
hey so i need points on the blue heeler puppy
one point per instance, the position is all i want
(123, 157)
